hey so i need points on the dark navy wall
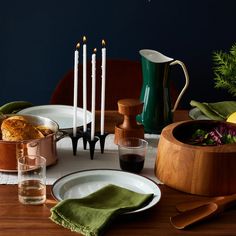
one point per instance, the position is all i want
(37, 39)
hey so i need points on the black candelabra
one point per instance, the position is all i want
(86, 136)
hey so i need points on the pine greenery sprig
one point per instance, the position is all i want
(225, 70)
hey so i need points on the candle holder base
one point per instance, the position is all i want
(74, 140)
(102, 138)
(92, 144)
(87, 139)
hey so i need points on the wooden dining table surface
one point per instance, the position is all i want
(18, 219)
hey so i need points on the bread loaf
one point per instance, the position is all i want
(17, 128)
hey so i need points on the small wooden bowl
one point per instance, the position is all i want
(202, 170)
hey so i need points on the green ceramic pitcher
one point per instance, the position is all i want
(155, 94)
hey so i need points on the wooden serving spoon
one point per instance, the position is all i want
(185, 206)
(203, 212)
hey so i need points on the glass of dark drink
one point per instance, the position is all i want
(132, 153)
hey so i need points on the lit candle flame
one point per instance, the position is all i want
(103, 43)
(95, 50)
(78, 45)
(84, 39)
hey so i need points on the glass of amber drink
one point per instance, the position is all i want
(32, 179)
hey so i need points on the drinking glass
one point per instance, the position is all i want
(132, 152)
(32, 179)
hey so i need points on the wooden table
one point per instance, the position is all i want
(113, 117)
(18, 219)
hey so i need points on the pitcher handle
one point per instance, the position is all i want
(186, 82)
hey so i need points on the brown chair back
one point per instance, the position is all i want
(123, 80)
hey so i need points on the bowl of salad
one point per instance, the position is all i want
(198, 157)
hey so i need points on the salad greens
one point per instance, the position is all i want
(221, 134)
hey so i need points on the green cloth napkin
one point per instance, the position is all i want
(217, 110)
(90, 215)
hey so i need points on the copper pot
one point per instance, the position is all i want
(11, 150)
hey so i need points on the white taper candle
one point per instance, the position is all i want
(76, 62)
(84, 85)
(93, 93)
(103, 86)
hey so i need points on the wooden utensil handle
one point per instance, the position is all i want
(224, 201)
(186, 206)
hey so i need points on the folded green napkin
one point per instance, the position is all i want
(90, 215)
(217, 110)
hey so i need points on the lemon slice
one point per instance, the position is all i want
(232, 118)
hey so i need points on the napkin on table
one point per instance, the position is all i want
(90, 215)
(217, 110)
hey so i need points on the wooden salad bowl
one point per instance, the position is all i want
(201, 170)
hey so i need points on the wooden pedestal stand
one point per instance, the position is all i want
(130, 108)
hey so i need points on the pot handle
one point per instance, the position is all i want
(186, 82)
(21, 149)
(61, 134)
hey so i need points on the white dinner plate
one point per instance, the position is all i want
(62, 114)
(82, 183)
(196, 114)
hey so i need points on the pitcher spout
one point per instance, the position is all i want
(154, 56)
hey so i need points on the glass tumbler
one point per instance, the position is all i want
(32, 179)
(132, 152)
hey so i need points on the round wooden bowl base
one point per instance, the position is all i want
(209, 170)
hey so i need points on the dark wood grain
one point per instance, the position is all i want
(18, 219)
(113, 117)
(22, 220)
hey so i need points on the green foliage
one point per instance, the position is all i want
(225, 70)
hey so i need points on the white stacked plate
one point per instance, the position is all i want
(62, 114)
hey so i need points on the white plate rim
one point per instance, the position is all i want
(157, 192)
(55, 108)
